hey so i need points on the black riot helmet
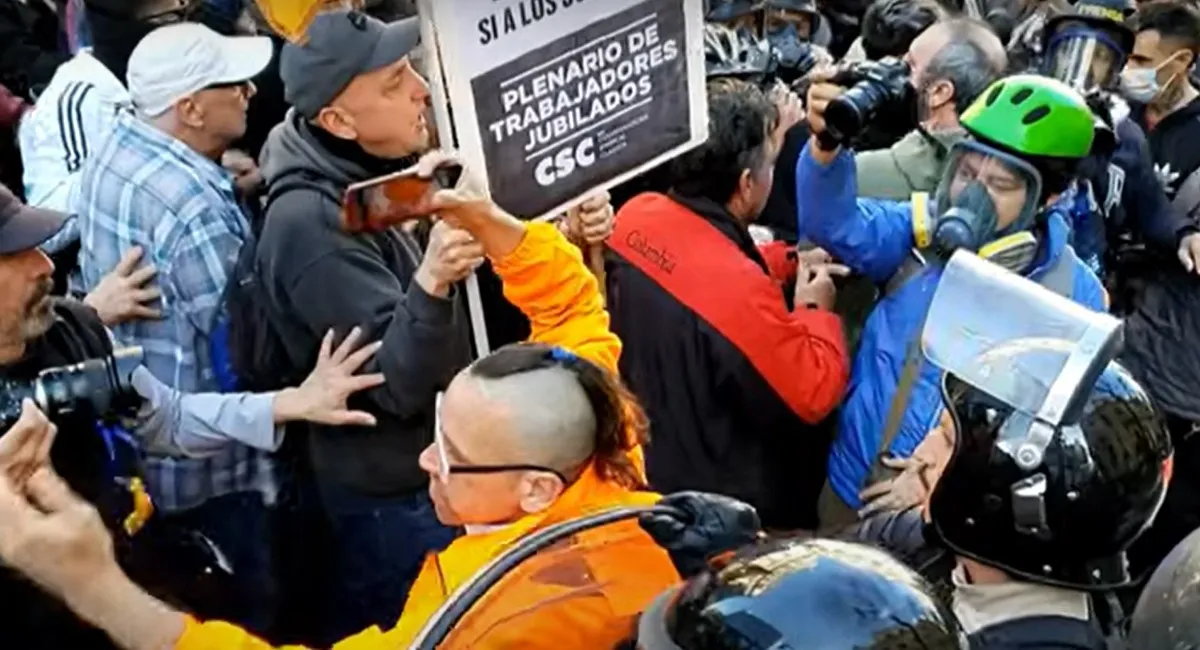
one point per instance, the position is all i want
(1061, 460)
(1165, 616)
(1087, 46)
(791, 593)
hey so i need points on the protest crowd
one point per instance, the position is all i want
(898, 347)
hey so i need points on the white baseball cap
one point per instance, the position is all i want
(177, 60)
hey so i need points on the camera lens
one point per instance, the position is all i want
(878, 84)
(846, 115)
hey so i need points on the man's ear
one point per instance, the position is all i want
(338, 122)
(539, 491)
(189, 113)
(745, 180)
(941, 92)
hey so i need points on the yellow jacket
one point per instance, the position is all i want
(546, 278)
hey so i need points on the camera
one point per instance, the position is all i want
(101, 386)
(874, 86)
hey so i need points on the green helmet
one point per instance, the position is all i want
(1032, 116)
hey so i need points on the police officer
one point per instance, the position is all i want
(1086, 48)
(1060, 462)
(790, 593)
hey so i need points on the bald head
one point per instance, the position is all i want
(544, 416)
(962, 51)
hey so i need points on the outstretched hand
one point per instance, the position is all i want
(322, 397)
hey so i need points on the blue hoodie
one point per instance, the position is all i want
(874, 237)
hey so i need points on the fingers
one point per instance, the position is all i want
(873, 507)
(356, 360)
(352, 418)
(838, 270)
(598, 201)
(16, 515)
(897, 463)
(129, 261)
(141, 276)
(49, 492)
(1185, 258)
(876, 490)
(434, 159)
(360, 383)
(347, 346)
(326, 346)
(145, 313)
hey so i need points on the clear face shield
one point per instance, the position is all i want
(1084, 58)
(985, 203)
(1021, 344)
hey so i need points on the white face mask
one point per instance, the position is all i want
(1141, 84)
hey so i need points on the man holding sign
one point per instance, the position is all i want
(359, 113)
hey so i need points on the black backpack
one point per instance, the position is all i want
(256, 350)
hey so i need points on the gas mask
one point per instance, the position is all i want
(789, 47)
(981, 188)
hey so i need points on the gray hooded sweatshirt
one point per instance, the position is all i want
(318, 277)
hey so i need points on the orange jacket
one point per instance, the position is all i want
(546, 278)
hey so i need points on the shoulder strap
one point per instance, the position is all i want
(913, 361)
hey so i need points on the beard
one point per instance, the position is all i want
(38, 316)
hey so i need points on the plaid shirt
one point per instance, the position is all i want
(144, 188)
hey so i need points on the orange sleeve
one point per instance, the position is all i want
(546, 279)
(218, 635)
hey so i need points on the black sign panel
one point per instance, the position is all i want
(565, 118)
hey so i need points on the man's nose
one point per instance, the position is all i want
(40, 264)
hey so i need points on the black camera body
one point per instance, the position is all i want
(101, 386)
(874, 87)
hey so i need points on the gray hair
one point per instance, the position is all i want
(972, 59)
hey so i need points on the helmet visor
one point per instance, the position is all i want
(1083, 58)
(1012, 185)
(1015, 340)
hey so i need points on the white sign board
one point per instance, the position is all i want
(556, 98)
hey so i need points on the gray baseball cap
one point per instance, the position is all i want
(339, 46)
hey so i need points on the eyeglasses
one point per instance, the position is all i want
(446, 468)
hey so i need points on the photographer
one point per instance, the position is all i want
(951, 62)
(1026, 136)
(95, 456)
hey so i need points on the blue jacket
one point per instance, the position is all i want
(874, 237)
(1118, 193)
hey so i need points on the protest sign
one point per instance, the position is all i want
(556, 98)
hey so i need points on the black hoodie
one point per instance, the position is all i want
(319, 277)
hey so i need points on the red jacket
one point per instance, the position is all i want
(732, 379)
